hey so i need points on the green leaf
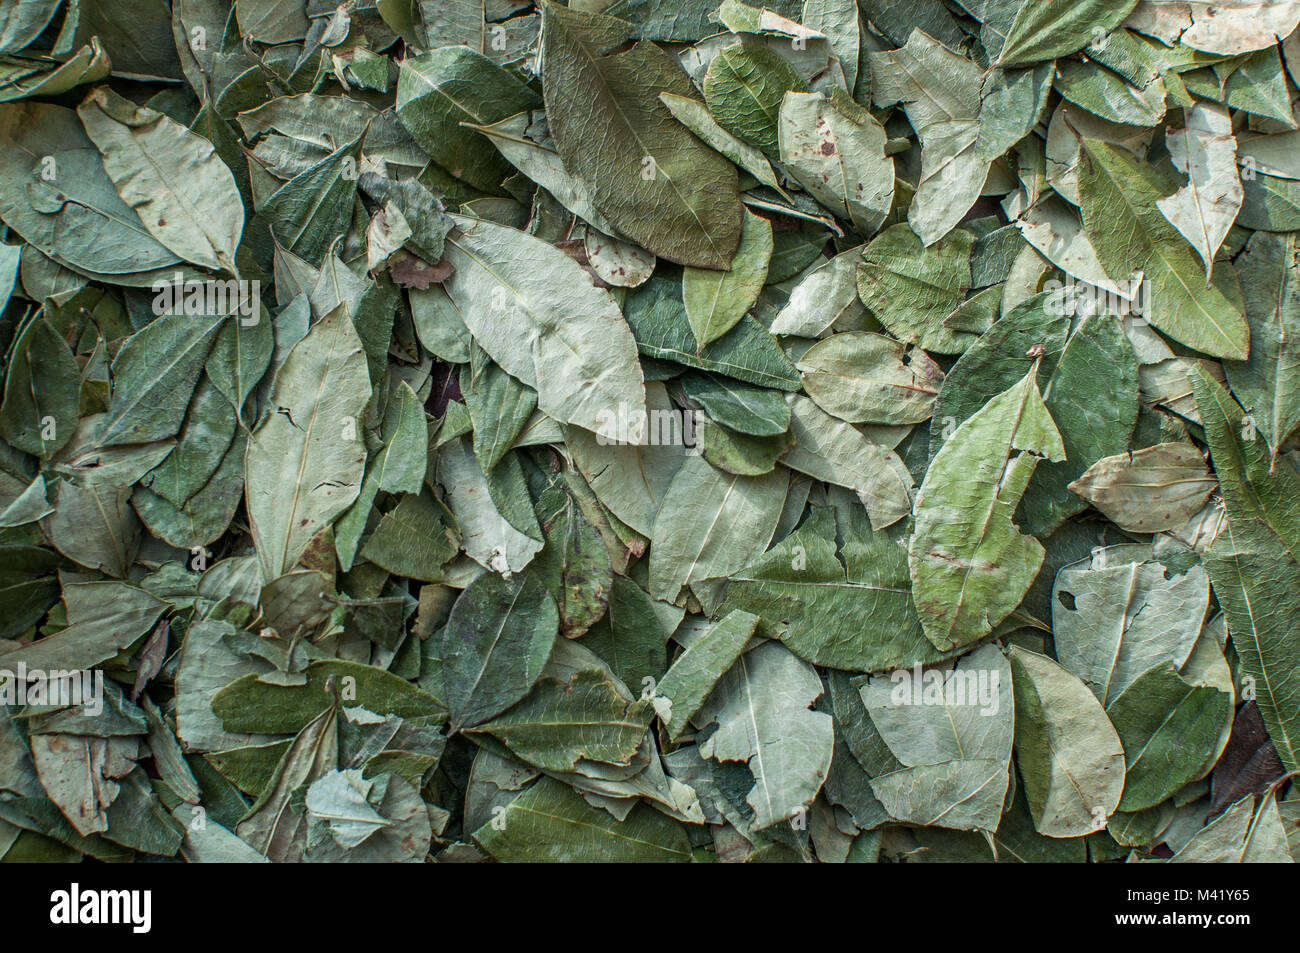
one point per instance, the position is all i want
(761, 708)
(115, 615)
(574, 565)
(741, 407)
(897, 21)
(439, 90)
(1268, 381)
(716, 300)
(631, 479)
(174, 179)
(744, 88)
(827, 296)
(77, 773)
(565, 720)
(739, 453)
(1116, 616)
(306, 460)
(495, 644)
(1056, 232)
(710, 524)
(538, 315)
(911, 289)
(294, 133)
(249, 704)
(862, 377)
(1270, 204)
(1243, 834)
(851, 610)
(951, 730)
(75, 217)
(28, 506)
(1253, 489)
(1118, 198)
(657, 317)
(695, 116)
(618, 263)
(690, 680)
(438, 324)
(1205, 151)
(204, 516)
(499, 407)
(1249, 568)
(25, 20)
(836, 150)
(549, 823)
(827, 448)
(501, 542)
(1257, 84)
(654, 181)
(412, 539)
(998, 359)
(270, 22)
(632, 635)
(1069, 756)
(940, 91)
(314, 208)
(1093, 399)
(838, 20)
(398, 468)
(206, 435)
(1108, 96)
(1168, 726)
(1048, 29)
(93, 525)
(970, 565)
(521, 140)
(240, 356)
(90, 64)
(271, 827)
(339, 799)
(41, 390)
(151, 396)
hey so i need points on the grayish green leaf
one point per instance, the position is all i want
(1069, 756)
(305, 461)
(761, 708)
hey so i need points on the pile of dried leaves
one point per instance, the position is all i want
(649, 430)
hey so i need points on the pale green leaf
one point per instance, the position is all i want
(1150, 490)
(711, 524)
(862, 377)
(836, 150)
(305, 462)
(950, 727)
(184, 193)
(827, 448)
(687, 684)
(538, 316)
(761, 708)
